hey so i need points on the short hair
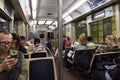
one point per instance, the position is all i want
(36, 40)
(15, 36)
(3, 30)
(64, 35)
(22, 37)
(89, 38)
(68, 38)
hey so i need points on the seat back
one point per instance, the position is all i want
(111, 55)
(26, 56)
(42, 69)
(39, 54)
(84, 59)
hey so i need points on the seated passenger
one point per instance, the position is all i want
(67, 42)
(76, 43)
(118, 42)
(11, 68)
(37, 45)
(15, 41)
(22, 46)
(102, 72)
(82, 45)
(82, 42)
(90, 44)
(30, 42)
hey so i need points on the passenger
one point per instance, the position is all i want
(119, 42)
(111, 41)
(16, 41)
(101, 72)
(76, 43)
(90, 44)
(82, 42)
(64, 41)
(30, 42)
(37, 45)
(10, 68)
(67, 42)
(82, 45)
(22, 46)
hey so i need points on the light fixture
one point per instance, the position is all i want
(34, 7)
(34, 14)
(68, 18)
(49, 22)
(41, 22)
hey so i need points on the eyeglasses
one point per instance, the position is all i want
(5, 43)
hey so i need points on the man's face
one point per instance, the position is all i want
(5, 42)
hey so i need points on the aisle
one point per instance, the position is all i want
(72, 74)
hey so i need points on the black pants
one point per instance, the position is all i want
(99, 75)
(115, 73)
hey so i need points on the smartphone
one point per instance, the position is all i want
(108, 67)
(13, 56)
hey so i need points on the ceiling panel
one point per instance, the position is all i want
(47, 7)
(67, 4)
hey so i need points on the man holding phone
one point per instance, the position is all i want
(10, 67)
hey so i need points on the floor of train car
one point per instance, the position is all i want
(73, 74)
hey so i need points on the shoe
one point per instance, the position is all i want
(66, 69)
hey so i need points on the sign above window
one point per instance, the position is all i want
(98, 15)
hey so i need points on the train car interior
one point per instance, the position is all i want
(61, 39)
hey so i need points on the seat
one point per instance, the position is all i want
(110, 54)
(26, 56)
(42, 69)
(38, 54)
(83, 59)
(103, 62)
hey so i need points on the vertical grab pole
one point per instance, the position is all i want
(60, 70)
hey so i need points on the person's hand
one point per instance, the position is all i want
(101, 50)
(113, 66)
(8, 63)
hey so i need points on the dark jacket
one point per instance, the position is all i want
(108, 60)
(14, 73)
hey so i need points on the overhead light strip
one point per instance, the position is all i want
(49, 22)
(34, 8)
(41, 22)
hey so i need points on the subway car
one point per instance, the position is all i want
(60, 39)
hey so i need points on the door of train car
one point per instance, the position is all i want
(42, 36)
